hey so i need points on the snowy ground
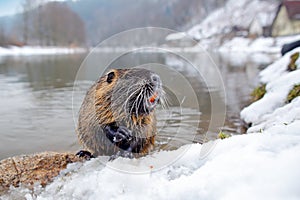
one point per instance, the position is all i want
(260, 45)
(233, 20)
(271, 112)
(254, 166)
(263, 164)
(235, 16)
(262, 51)
(28, 51)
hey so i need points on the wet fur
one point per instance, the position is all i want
(104, 104)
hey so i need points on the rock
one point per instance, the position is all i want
(31, 169)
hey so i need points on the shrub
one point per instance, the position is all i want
(258, 92)
(295, 92)
(292, 65)
(223, 135)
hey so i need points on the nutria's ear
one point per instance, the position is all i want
(110, 76)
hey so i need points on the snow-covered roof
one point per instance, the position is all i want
(266, 18)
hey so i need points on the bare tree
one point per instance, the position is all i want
(62, 25)
(3, 38)
(39, 27)
(27, 6)
(51, 23)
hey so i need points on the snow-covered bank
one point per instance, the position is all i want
(271, 111)
(261, 51)
(262, 165)
(29, 50)
(268, 45)
(255, 166)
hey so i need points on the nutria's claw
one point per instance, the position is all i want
(118, 134)
(85, 154)
(123, 134)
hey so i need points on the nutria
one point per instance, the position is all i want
(117, 116)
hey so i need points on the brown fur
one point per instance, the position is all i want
(98, 110)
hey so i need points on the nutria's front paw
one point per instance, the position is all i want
(118, 135)
(85, 154)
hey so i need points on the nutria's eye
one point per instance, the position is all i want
(110, 77)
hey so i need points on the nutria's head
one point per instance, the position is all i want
(127, 96)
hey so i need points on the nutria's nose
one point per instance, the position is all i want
(155, 79)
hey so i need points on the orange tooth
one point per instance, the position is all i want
(153, 97)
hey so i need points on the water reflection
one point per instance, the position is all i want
(42, 72)
(36, 111)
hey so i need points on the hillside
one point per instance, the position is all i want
(104, 18)
(233, 19)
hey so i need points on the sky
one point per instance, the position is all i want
(9, 7)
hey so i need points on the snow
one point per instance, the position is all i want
(278, 68)
(260, 45)
(277, 91)
(176, 36)
(261, 51)
(234, 20)
(263, 164)
(254, 166)
(278, 84)
(260, 165)
(234, 14)
(271, 115)
(30, 50)
(266, 19)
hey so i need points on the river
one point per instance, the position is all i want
(38, 114)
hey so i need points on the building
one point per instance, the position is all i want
(261, 25)
(287, 20)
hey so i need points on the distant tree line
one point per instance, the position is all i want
(89, 22)
(104, 18)
(45, 24)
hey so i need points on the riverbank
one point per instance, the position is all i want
(262, 164)
(259, 165)
(269, 45)
(275, 111)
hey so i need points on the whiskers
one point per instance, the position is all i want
(135, 100)
(164, 101)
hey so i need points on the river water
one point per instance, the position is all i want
(38, 114)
